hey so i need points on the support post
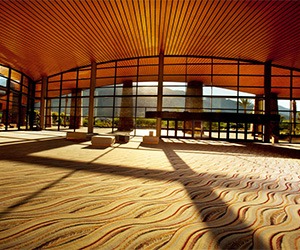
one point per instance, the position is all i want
(194, 103)
(91, 99)
(43, 102)
(257, 129)
(294, 117)
(126, 122)
(160, 92)
(267, 95)
(48, 116)
(75, 112)
(30, 103)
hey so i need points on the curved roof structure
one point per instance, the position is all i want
(46, 37)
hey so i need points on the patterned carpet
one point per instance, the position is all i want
(180, 194)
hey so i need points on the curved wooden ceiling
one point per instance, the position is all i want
(49, 36)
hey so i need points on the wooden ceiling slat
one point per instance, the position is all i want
(46, 37)
(152, 28)
(68, 17)
(68, 35)
(93, 25)
(192, 28)
(118, 30)
(248, 35)
(229, 15)
(145, 13)
(228, 41)
(215, 16)
(123, 19)
(23, 29)
(50, 17)
(105, 43)
(135, 25)
(108, 26)
(264, 25)
(208, 25)
(157, 18)
(127, 24)
(169, 21)
(78, 16)
(163, 15)
(23, 43)
(196, 33)
(234, 22)
(142, 24)
(179, 17)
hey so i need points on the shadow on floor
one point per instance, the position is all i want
(222, 221)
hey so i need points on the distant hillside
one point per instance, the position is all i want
(175, 103)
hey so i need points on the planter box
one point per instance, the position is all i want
(102, 141)
(150, 139)
(81, 136)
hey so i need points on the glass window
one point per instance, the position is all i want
(86, 92)
(105, 72)
(251, 69)
(146, 102)
(54, 78)
(223, 104)
(207, 90)
(278, 81)
(3, 81)
(147, 90)
(174, 88)
(216, 91)
(148, 70)
(199, 69)
(283, 105)
(24, 100)
(70, 75)
(207, 104)
(100, 102)
(246, 105)
(25, 81)
(104, 91)
(224, 69)
(127, 71)
(251, 81)
(15, 85)
(174, 69)
(84, 74)
(4, 71)
(103, 112)
(280, 71)
(224, 81)
(15, 76)
(174, 103)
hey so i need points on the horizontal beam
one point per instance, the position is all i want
(214, 117)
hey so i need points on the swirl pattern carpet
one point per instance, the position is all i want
(179, 194)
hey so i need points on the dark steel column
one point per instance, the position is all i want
(48, 116)
(267, 96)
(91, 99)
(75, 112)
(126, 122)
(160, 92)
(6, 116)
(43, 102)
(194, 103)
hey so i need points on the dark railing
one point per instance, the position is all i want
(214, 117)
